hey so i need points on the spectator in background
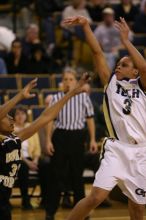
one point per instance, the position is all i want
(16, 61)
(140, 20)
(95, 8)
(46, 9)
(38, 62)
(126, 9)
(108, 37)
(77, 7)
(32, 37)
(30, 155)
(25, 10)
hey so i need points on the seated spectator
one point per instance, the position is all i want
(30, 155)
(127, 10)
(77, 7)
(58, 58)
(16, 61)
(46, 11)
(108, 36)
(31, 37)
(95, 8)
(38, 62)
(140, 20)
(25, 10)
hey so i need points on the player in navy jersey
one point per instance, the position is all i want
(123, 157)
(10, 144)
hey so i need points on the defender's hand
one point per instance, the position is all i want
(27, 89)
(82, 85)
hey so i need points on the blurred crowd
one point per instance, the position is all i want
(33, 38)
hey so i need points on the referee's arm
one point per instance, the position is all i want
(91, 129)
(90, 124)
(49, 131)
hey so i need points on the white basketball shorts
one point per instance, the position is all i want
(125, 165)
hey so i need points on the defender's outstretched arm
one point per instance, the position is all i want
(23, 94)
(50, 113)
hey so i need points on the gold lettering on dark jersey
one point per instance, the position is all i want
(13, 156)
(7, 181)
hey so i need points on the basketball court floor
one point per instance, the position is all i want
(118, 211)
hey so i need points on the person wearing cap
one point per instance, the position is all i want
(108, 37)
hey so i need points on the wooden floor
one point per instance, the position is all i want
(118, 211)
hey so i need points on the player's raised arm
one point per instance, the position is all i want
(23, 94)
(50, 113)
(100, 61)
(137, 58)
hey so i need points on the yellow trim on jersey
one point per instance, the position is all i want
(102, 149)
(2, 137)
(108, 119)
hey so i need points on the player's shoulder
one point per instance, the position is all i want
(2, 137)
(112, 80)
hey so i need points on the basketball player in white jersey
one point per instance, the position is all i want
(123, 159)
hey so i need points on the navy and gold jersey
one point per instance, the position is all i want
(10, 159)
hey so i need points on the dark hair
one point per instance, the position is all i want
(37, 47)
(16, 40)
(18, 108)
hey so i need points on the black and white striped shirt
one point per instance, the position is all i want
(74, 113)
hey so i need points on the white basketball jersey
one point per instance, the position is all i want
(125, 110)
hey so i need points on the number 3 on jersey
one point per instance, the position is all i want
(127, 108)
(14, 170)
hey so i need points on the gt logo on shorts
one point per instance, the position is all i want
(140, 192)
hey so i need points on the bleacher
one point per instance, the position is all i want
(10, 85)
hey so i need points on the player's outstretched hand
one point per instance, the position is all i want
(26, 91)
(123, 29)
(75, 20)
(82, 85)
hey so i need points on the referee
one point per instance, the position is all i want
(65, 144)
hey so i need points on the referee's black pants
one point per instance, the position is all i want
(69, 152)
